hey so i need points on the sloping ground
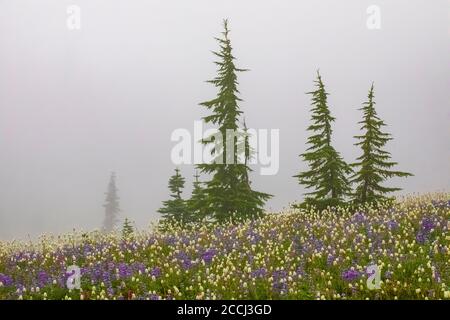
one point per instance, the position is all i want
(293, 255)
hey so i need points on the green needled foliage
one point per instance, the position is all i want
(127, 229)
(197, 203)
(327, 174)
(228, 194)
(175, 209)
(374, 165)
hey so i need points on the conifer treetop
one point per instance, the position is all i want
(225, 108)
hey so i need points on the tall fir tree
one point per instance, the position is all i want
(196, 205)
(374, 164)
(328, 172)
(228, 194)
(111, 205)
(175, 209)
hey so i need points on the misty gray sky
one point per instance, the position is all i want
(78, 104)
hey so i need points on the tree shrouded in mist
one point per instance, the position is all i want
(111, 205)
(228, 193)
(175, 209)
(327, 174)
(374, 165)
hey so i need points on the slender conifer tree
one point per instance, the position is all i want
(197, 203)
(175, 209)
(111, 205)
(127, 229)
(374, 166)
(228, 194)
(327, 174)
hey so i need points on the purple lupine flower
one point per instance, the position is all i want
(279, 281)
(208, 255)
(421, 237)
(359, 217)
(111, 266)
(43, 279)
(170, 240)
(259, 273)
(106, 277)
(124, 270)
(151, 241)
(186, 262)
(185, 240)
(392, 225)
(437, 276)
(254, 236)
(138, 266)
(442, 204)
(427, 224)
(110, 290)
(156, 271)
(350, 275)
(6, 280)
(20, 288)
(330, 259)
(96, 272)
(318, 244)
(300, 271)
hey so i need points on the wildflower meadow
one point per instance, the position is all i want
(296, 254)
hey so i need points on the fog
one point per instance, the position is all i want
(78, 104)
